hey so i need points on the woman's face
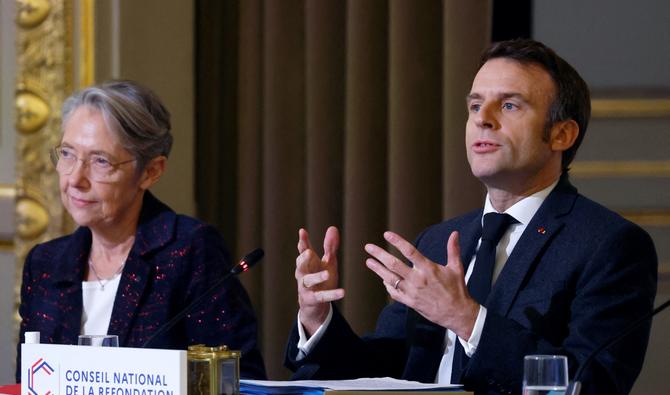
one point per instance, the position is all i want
(96, 194)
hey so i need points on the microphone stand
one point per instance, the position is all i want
(242, 266)
(575, 386)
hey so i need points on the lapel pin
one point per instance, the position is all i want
(541, 230)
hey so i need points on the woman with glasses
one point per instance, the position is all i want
(133, 263)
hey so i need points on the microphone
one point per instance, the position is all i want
(243, 265)
(576, 385)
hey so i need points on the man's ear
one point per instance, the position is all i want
(563, 135)
(153, 171)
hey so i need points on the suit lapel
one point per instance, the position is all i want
(68, 272)
(155, 229)
(131, 288)
(546, 223)
(469, 236)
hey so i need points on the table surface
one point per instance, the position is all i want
(15, 389)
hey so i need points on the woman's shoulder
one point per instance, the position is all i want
(42, 256)
(194, 229)
(156, 214)
(53, 246)
(162, 227)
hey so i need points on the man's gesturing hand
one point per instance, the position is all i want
(436, 292)
(317, 279)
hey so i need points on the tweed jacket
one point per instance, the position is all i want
(173, 260)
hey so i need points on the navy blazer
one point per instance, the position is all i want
(174, 259)
(578, 275)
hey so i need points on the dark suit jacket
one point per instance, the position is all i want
(174, 259)
(578, 275)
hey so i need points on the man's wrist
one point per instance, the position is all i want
(470, 345)
(312, 325)
(467, 320)
(305, 344)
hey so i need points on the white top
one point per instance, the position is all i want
(98, 304)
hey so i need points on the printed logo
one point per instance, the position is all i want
(40, 379)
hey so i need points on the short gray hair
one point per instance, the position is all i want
(131, 111)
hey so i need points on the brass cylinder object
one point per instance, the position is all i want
(213, 370)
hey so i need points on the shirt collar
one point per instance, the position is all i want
(523, 210)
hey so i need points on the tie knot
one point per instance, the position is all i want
(495, 224)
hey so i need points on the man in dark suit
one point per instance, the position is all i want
(561, 276)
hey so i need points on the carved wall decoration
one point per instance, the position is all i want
(32, 111)
(32, 217)
(44, 79)
(7, 228)
(32, 12)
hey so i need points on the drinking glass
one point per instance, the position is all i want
(545, 374)
(99, 340)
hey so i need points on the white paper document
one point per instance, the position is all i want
(363, 384)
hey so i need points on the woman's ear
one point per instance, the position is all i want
(153, 171)
(564, 134)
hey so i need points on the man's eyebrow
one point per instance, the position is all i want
(512, 95)
(500, 96)
(472, 96)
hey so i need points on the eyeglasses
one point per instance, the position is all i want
(100, 167)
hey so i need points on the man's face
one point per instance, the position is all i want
(506, 145)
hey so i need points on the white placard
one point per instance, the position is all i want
(55, 369)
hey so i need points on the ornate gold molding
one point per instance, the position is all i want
(44, 78)
(630, 108)
(663, 277)
(648, 218)
(32, 12)
(86, 43)
(7, 198)
(32, 110)
(664, 267)
(6, 246)
(605, 169)
(7, 191)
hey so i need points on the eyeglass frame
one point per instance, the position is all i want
(56, 157)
